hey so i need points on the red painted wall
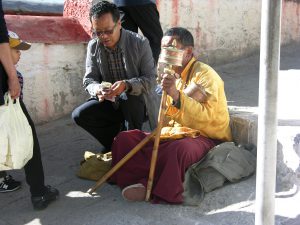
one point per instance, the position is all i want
(47, 29)
(80, 11)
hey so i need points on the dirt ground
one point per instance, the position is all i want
(63, 145)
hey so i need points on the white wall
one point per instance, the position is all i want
(225, 30)
(53, 79)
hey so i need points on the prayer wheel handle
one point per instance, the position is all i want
(171, 56)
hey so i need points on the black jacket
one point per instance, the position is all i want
(3, 39)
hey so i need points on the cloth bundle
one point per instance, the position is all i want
(225, 162)
(94, 166)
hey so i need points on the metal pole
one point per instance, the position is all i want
(267, 119)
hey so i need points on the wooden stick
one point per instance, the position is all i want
(122, 161)
(161, 116)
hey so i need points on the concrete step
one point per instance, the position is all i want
(244, 130)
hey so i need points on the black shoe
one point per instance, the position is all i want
(9, 184)
(41, 202)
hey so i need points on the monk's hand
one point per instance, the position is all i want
(168, 84)
(118, 87)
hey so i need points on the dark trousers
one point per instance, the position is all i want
(104, 121)
(1, 87)
(2, 174)
(33, 169)
(145, 17)
(3, 84)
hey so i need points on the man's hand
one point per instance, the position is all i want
(14, 87)
(168, 84)
(118, 87)
(110, 93)
(105, 93)
(100, 95)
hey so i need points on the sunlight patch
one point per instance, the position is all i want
(80, 194)
(244, 206)
(34, 222)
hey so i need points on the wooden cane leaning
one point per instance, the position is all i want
(122, 162)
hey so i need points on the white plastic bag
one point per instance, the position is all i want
(16, 141)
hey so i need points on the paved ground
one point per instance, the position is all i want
(63, 145)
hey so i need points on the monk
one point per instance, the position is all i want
(198, 120)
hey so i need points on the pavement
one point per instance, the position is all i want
(63, 145)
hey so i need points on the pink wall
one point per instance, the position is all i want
(290, 23)
(80, 11)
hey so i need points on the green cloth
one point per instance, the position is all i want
(225, 162)
(94, 166)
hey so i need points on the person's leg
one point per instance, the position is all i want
(100, 119)
(174, 157)
(126, 20)
(1, 88)
(147, 19)
(7, 183)
(41, 195)
(133, 110)
(34, 168)
(137, 167)
(3, 174)
(3, 84)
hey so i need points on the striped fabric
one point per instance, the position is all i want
(21, 81)
(116, 65)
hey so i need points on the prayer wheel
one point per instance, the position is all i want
(171, 55)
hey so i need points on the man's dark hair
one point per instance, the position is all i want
(183, 35)
(103, 7)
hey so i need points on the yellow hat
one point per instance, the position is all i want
(16, 43)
